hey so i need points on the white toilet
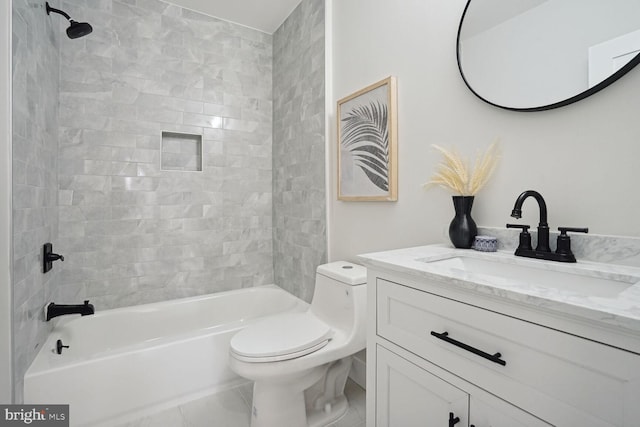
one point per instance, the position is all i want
(300, 361)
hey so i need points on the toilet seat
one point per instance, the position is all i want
(281, 337)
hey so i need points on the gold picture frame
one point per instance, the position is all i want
(367, 144)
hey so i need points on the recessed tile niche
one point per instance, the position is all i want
(181, 152)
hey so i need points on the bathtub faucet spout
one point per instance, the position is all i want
(55, 310)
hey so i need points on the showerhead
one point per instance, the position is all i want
(76, 29)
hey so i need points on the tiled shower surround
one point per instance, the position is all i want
(300, 242)
(131, 232)
(89, 115)
(35, 144)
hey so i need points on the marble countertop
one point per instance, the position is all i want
(617, 305)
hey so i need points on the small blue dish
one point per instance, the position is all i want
(485, 244)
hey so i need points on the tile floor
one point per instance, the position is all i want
(231, 408)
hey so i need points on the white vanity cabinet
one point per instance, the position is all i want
(438, 353)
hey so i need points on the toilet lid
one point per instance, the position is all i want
(281, 337)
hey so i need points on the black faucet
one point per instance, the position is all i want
(542, 251)
(55, 310)
(543, 227)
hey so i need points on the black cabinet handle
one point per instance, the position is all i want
(453, 421)
(495, 358)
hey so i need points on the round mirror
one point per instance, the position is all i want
(531, 55)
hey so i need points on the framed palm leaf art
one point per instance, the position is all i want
(367, 144)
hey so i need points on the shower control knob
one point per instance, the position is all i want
(48, 257)
(55, 257)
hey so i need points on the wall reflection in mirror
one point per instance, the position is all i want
(539, 54)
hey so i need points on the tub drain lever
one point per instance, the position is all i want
(60, 346)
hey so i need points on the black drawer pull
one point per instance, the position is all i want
(495, 358)
(453, 421)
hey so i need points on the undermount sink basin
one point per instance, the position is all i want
(502, 271)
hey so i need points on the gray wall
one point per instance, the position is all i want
(300, 243)
(133, 233)
(594, 141)
(35, 144)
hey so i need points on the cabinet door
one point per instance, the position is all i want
(409, 396)
(494, 412)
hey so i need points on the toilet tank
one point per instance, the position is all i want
(340, 295)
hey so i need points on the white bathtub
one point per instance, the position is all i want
(126, 362)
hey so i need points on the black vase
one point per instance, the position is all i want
(462, 229)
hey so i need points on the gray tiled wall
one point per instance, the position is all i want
(35, 143)
(88, 121)
(300, 243)
(131, 232)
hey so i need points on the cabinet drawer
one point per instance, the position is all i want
(565, 379)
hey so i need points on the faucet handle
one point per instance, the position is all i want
(525, 237)
(525, 228)
(563, 230)
(563, 246)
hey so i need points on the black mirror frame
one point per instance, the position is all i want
(603, 84)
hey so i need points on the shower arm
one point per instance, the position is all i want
(58, 11)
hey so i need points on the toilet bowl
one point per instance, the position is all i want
(299, 362)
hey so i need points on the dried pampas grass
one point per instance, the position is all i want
(453, 172)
